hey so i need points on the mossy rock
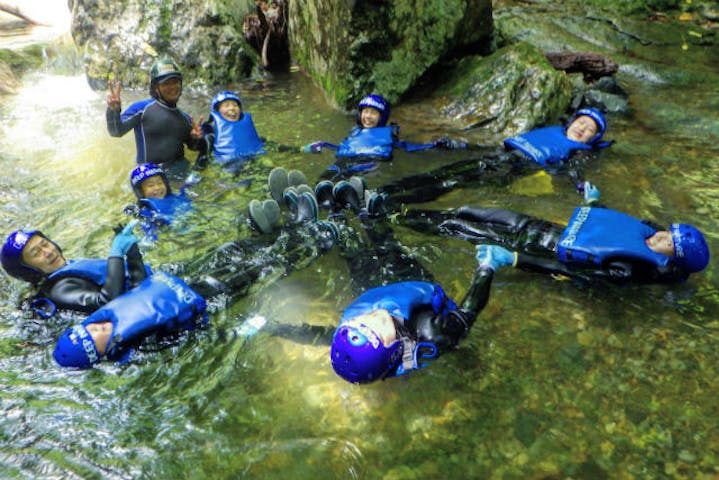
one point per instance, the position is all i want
(511, 91)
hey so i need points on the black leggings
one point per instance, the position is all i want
(491, 167)
(516, 231)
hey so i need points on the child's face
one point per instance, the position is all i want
(582, 129)
(369, 117)
(42, 254)
(153, 187)
(230, 110)
(100, 333)
(380, 322)
(661, 242)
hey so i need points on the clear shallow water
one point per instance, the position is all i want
(554, 381)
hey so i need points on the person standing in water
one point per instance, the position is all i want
(162, 130)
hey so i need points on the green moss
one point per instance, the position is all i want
(19, 61)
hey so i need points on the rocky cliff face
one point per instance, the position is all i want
(353, 48)
(122, 38)
(349, 48)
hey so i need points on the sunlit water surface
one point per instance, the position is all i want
(554, 380)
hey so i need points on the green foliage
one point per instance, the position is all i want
(22, 60)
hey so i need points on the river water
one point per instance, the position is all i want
(554, 381)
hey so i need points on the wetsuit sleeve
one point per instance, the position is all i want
(117, 126)
(135, 266)
(445, 331)
(478, 294)
(80, 294)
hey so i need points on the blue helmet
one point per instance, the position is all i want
(11, 256)
(76, 348)
(359, 356)
(225, 95)
(145, 171)
(598, 118)
(690, 248)
(377, 102)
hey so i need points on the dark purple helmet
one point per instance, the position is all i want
(377, 102)
(690, 248)
(144, 171)
(11, 256)
(359, 356)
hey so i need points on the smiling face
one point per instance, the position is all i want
(380, 322)
(661, 242)
(369, 117)
(153, 187)
(582, 129)
(230, 110)
(42, 254)
(170, 90)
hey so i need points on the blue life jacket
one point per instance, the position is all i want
(546, 145)
(368, 142)
(400, 299)
(598, 234)
(235, 139)
(163, 210)
(93, 269)
(161, 304)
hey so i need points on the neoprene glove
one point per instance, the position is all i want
(494, 256)
(124, 240)
(591, 193)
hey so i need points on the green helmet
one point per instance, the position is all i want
(163, 69)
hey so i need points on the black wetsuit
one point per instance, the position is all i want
(489, 166)
(379, 260)
(234, 268)
(161, 131)
(84, 295)
(535, 240)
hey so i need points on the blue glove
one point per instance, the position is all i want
(123, 241)
(591, 193)
(312, 148)
(494, 256)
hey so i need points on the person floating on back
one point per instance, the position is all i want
(82, 285)
(558, 150)
(597, 244)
